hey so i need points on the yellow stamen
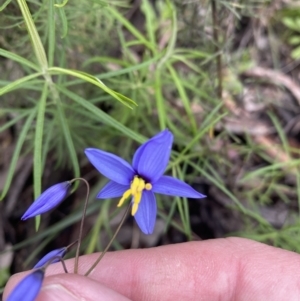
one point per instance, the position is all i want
(141, 186)
(148, 186)
(136, 190)
(136, 201)
(134, 185)
(125, 195)
(134, 209)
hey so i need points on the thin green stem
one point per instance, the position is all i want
(110, 242)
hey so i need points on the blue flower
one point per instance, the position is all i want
(49, 199)
(141, 180)
(55, 253)
(28, 288)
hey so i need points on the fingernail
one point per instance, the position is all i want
(57, 292)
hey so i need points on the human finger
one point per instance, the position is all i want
(72, 287)
(220, 269)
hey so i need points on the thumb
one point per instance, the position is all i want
(70, 287)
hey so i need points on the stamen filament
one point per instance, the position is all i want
(125, 195)
(134, 185)
(134, 208)
(136, 200)
(141, 186)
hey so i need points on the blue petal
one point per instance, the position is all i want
(171, 186)
(49, 199)
(28, 288)
(151, 158)
(111, 166)
(112, 190)
(146, 214)
(59, 252)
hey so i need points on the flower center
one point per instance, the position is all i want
(136, 189)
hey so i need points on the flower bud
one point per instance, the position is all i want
(55, 253)
(49, 199)
(28, 288)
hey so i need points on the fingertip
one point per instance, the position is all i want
(73, 287)
(68, 287)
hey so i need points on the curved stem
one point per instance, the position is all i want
(110, 242)
(53, 259)
(82, 222)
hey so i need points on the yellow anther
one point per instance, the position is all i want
(134, 208)
(141, 186)
(136, 200)
(136, 190)
(134, 185)
(125, 195)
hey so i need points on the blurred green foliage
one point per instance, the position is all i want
(293, 23)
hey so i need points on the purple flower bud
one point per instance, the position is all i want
(49, 199)
(28, 288)
(55, 253)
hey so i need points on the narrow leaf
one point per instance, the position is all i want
(94, 80)
(34, 36)
(70, 144)
(38, 143)
(17, 151)
(17, 83)
(19, 59)
(105, 118)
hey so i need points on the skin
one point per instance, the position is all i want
(232, 269)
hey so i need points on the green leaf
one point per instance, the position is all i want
(95, 81)
(10, 123)
(172, 41)
(290, 23)
(150, 15)
(62, 4)
(14, 57)
(38, 146)
(34, 36)
(17, 83)
(51, 32)
(105, 118)
(64, 22)
(70, 144)
(17, 151)
(183, 96)
(123, 70)
(161, 110)
(296, 53)
(294, 40)
(2, 7)
(130, 28)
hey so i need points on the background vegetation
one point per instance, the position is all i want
(223, 76)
